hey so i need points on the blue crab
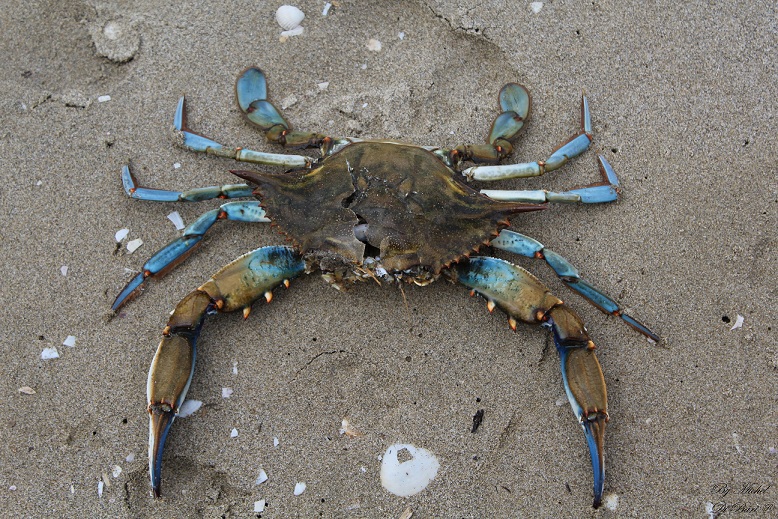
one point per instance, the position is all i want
(379, 209)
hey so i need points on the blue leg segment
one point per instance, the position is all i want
(234, 287)
(525, 246)
(196, 142)
(198, 194)
(179, 249)
(601, 192)
(574, 146)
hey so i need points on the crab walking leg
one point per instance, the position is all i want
(596, 193)
(251, 94)
(165, 259)
(252, 276)
(197, 194)
(524, 245)
(196, 142)
(573, 147)
(520, 295)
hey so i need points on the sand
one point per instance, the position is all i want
(683, 106)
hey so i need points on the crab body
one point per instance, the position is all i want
(398, 204)
(379, 210)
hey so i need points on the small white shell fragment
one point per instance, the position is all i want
(103, 99)
(226, 392)
(299, 488)
(259, 506)
(100, 486)
(562, 400)
(407, 513)
(131, 456)
(70, 341)
(121, 234)
(26, 390)
(234, 367)
(738, 323)
(536, 7)
(374, 45)
(234, 433)
(261, 478)
(72, 489)
(288, 101)
(39, 183)
(13, 487)
(611, 501)
(188, 408)
(176, 219)
(116, 471)
(349, 430)
(401, 35)
(133, 245)
(49, 353)
(409, 477)
(297, 31)
(323, 85)
(64, 270)
(275, 442)
(289, 17)
(326, 9)
(176, 165)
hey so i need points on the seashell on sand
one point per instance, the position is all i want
(289, 17)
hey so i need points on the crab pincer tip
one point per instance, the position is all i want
(159, 426)
(594, 430)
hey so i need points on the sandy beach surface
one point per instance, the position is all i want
(683, 100)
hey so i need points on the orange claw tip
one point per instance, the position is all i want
(490, 305)
(286, 283)
(246, 312)
(268, 296)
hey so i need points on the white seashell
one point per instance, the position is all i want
(289, 17)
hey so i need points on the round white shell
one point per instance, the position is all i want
(289, 17)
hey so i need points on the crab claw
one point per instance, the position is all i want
(584, 386)
(159, 426)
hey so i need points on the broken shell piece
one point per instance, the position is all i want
(289, 17)
(297, 31)
(261, 478)
(70, 341)
(49, 353)
(409, 477)
(738, 323)
(26, 390)
(226, 392)
(176, 219)
(234, 433)
(349, 430)
(374, 45)
(299, 488)
(259, 506)
(121, 234)
(64, 270)
(188, 407)
(133, 245)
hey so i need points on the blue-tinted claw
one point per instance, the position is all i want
(515, 98)
(515, 103)
(263, 114)
(251, 86)
(251, 91)
(585, 387)
(594, 430)
(159, 426)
